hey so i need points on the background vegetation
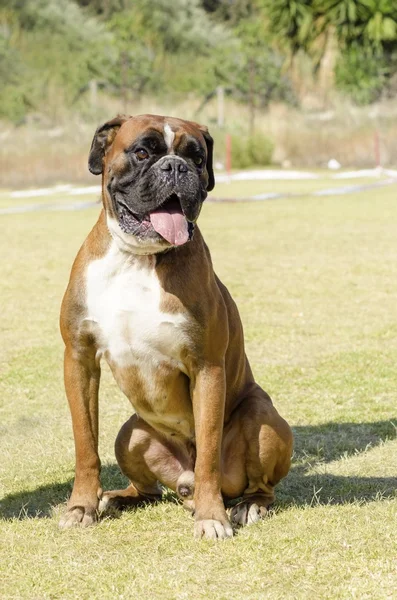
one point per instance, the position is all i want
(51, 51)
(300, 81)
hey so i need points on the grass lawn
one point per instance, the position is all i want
(316, 283)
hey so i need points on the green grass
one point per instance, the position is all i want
(244, 189)
(7, 201)
(315, 281)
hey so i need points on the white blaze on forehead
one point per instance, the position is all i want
(169, 136)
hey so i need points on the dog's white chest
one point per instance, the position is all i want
(123, 307)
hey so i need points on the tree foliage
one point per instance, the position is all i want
(366, 31)
(57, 48)
(151, 37)
(369, 23)
(361, 74)
(50, 50)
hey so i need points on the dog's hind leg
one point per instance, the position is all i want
(256, 455)
(147, 457)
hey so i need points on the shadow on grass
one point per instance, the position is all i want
(329, 442)
(41, 501)
(312, 490)
(332, 441)
(313, 445)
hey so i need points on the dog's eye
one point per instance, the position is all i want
(198, 160)
(141, 154)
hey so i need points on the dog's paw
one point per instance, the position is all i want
(113, 502)
(247, 513)
(211, 529)
(78, 516)
(109, 503)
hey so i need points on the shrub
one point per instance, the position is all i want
(252, 150)
(361, 74)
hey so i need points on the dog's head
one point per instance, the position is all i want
(156, 172)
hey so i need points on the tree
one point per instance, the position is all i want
(161, 43)
(369, 23)
(311, 25)
(291, 23)
(230, 11)
(257, 76)
(76, 51)
(104, 8)
(367, 37)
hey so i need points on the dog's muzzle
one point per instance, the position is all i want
(169, 195)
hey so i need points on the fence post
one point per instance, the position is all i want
(228, 161)
(220, 94)
(377, 149)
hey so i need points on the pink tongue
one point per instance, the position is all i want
(170, 223)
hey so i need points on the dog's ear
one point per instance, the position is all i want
(102, 140)
(210, 160)
(210, 157)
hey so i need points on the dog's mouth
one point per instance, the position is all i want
(168, 221)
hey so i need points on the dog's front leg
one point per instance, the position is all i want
(208, 396)
(82, 376)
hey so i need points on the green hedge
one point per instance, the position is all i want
(248, 151)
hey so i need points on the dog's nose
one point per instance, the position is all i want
(173, 165)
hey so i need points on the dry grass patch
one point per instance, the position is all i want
(37, 155)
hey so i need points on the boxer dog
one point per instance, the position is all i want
(143, 295)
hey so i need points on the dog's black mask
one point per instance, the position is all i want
(152, 177)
